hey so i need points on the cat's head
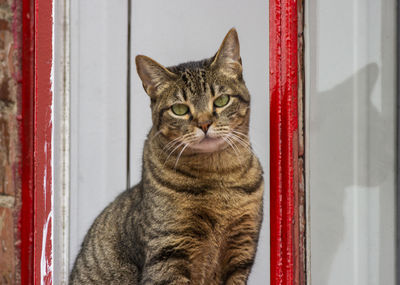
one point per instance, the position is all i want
(202, 105)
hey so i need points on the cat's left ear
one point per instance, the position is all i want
(227, 60)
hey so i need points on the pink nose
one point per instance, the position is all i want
(204, 126)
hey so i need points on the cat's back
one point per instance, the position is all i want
(103, 258)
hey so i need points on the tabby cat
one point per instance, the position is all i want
(194, 218)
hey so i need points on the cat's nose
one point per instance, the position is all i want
(205, 125)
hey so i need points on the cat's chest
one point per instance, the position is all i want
(224, 203)
(216, 222)
(212, 216)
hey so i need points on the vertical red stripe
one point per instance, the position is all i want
(283, 137)
(275, 142)
(26, 108)
(35, 223)
(43, 263)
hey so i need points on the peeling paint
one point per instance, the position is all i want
(46, 264)
(44, 137)
(52, 78)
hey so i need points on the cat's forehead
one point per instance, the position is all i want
(194, 84)
(197, 84)
(199, 89)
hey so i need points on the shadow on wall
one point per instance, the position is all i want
(345, 125)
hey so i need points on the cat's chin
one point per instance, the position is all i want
(208, 145)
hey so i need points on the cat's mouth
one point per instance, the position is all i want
(208, 144)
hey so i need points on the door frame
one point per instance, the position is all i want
(287, 192)
(44, 135)
(36, 217)
(44, 138)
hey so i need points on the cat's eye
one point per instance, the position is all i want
(180, 109)
(221, 101)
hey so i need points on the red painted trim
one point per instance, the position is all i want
(35, 223)
(283, 138)
(26, 108)
(43, 263)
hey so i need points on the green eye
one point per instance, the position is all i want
(180, 109)
(221, 101)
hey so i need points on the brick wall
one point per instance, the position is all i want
(9, 141)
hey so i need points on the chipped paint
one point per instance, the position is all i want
(46, 265)
(44, 136)
(52, 132)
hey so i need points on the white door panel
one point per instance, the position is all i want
(98, 110)
(351, 91)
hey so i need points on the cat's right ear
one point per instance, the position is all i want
(154, 76)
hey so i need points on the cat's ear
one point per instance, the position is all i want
(227, 60)
(154, 76)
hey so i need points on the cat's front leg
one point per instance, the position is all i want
(166, 281)
(241, 248)
(168, 265)
(239, 259)
(167, 273)
(238, 274)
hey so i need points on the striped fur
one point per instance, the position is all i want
(195, 217)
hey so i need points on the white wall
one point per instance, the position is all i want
(171, 32)
(350, 50)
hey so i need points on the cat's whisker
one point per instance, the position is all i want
(179, 143)
(179, 156)
(233, 146)
(182, 143)
(228, 141)
(222, 128)
(155, 135)
(256, 146)
(240, 133)
(243, 143)
(172, 146)
(172, 142)
(222, 132)
(193, 138)
(241, 136)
